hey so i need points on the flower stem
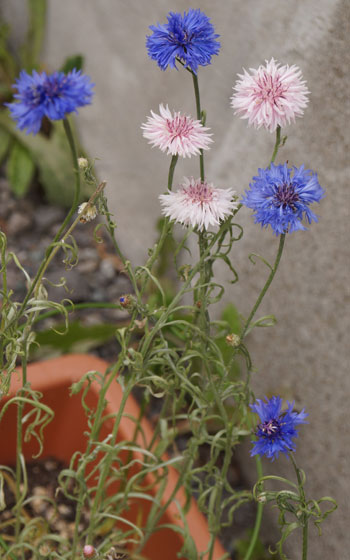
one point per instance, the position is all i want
(267, 284)
(52, 246)
(277, 144)
(258, 517)
(200, 118)
(171, 171)
(19, 497)
(165, 229)
(304, 506)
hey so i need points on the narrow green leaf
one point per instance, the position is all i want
(76, 61)
(20, 169)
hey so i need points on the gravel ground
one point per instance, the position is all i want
(30, 226)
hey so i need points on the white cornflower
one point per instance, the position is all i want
(176, 134)
(198, 204)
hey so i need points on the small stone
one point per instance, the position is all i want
(18, 223)
(107, 269)
(46, 216)
(64, 509)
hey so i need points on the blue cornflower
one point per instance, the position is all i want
(52, 96)
(281, 198)
(190, 38)
(276, 429)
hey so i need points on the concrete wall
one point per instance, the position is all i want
(304, 357)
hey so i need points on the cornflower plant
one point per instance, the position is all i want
(180, 354)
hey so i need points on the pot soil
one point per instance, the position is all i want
(65, 435)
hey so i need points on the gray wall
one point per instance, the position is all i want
(304, 356)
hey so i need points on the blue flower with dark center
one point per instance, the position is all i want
(190, 37)
(52, 96)
(276, 430)
(280, 197)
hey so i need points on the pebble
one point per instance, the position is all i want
(45, 216)
(18, 223)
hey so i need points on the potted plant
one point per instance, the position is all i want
(132, 488)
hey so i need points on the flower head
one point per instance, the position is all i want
(88, 213)
(175, 133)
(198, 204)
(190, 38)
(276, 430)
(281, 199)
(270, 96)
(52, 96)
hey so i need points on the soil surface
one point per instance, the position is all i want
(30, 224)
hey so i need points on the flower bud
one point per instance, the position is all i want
(262, 498)
(89, 551)
(233, 340)
(126, 301)
(83, 163)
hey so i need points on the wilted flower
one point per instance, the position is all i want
(270, 96)
(87, 213)
(52, 96)
(176, 134)
(233, 340)
(281, 198)
(277, 428)
(114, 554)
(83, 163)
(190, 38)
(198, 204)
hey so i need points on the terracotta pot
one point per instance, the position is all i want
(65, 435)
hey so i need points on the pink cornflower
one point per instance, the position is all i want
(176, 133)
(270, 96)
(198, 204)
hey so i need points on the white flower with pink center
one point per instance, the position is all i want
(198, 204)
(271, 96)
(176, 134)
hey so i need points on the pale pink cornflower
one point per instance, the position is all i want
(176, 133)
(198, 204)
(271, 96)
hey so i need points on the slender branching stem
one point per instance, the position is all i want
(303, 503)
(266, 286)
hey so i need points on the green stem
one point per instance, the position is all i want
(171, 171)
(94, 435)
(218, 500)
(304, 505)
(258, 517)
(107, 463)
(277, 144)
(157, 512)
(19, 497)
(266, 287)
(165, 229)
(200, 118)
(53, 246)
